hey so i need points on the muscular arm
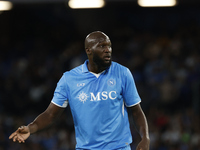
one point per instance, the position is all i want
(142, 127)
(46, 118)
(42, 121)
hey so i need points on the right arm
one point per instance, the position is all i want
(41, 122)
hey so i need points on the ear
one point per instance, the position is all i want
(88, 51)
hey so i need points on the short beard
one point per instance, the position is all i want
(100, 63)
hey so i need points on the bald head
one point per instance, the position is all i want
(99, 51)
(95, 37)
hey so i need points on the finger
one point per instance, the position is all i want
(20, 141)
(15, 138)
(20, 129)
(20, 138)
(12, 135)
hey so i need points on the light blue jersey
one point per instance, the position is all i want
(97, 105)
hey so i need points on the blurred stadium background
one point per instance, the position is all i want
(41, 39)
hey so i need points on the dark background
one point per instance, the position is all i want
(161, 46)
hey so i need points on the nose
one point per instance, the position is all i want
(108, 49)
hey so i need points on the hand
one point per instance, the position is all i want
(20, 135)
(144, 144)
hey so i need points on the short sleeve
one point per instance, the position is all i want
(130, 93)
(60, 94)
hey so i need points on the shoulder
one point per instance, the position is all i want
(118, 67)
(120, 71)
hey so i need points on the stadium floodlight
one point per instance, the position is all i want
(157, 3)
(5, 5)
(76, 4)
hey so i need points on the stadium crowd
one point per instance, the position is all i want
(164, 59)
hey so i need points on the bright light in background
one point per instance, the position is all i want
(86, 3)
(157, 3)
(5, 5)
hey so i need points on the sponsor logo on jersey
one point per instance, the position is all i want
(80, 84)
(103, 96)
(83, 97)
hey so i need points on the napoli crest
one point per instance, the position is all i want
(111, 82)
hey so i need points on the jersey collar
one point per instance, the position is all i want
(84, 67)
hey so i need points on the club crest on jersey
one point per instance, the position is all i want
(111, 82)
(82, 97)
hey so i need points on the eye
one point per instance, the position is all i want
(101, 46)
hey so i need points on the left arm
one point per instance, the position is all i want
(142, 127)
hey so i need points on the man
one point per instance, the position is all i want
(98, 92)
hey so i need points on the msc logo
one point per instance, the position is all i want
(98, 97)
(103, 96)
(82, 97)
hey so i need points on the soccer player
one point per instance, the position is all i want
(98, 92)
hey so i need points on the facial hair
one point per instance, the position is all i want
(100, 62)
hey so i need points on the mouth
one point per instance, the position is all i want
(107, 58)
